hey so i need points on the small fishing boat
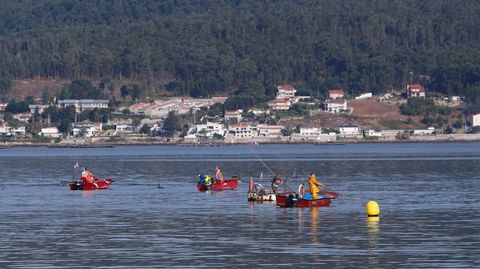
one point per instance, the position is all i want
(301, 199)
(257, 193)
(98, 184)
(88, 181)
(219, 183)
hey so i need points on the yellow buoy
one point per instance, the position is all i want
(372, 208)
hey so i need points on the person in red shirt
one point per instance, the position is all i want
(87, 176)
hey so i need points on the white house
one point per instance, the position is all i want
(84, 104)
(336, 105)
(280, 104)
(336, 94)
(349, 130)
(415, 90)
(475, 119)
(41, 108)
(259, 111)
(372, 133)
(210, 129)
(125, 129)
(233, 114)
(50, 132)
(243, 130)
(428, 131)
(286, 91)
(310, 131)
(269, 130)
(88, 130)
(23, 117)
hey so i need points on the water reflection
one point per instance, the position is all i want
(373, 233)
(314, 224)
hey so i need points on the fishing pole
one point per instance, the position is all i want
(260, 160)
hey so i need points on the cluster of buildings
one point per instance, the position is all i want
(86, 130)
(161, 107)
(233, 126)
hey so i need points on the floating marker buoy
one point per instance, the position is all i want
(372, 208)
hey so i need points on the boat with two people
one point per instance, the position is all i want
(88, 181)
(258, 193)
(314, 197)
(217, 183)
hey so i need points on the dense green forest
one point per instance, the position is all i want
(211, 47)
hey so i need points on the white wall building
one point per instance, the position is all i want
(50, 132)
(364, 96)
(243, 130)
(125, 129)
(41, 108)
(349, 130)
(84, 104)
(269, 130)
(475, 119)
(336, 105)
(233, 114)
(280, 104)
(428, 131)
(210, 129)
(372, 133)
(259, 111)
(310, 131)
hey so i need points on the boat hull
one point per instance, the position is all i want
(294, 200)
(99, 184)
(253, 197)
(219, 186)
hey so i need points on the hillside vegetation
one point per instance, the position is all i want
(202, 48)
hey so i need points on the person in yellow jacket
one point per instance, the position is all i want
(314, 184)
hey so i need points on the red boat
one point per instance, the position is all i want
(219, 185)
(98, 184)
(292, 199)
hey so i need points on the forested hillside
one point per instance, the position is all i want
(208, 47)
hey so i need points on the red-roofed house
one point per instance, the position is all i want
(415, 90)
(285, 91)
(335, 94)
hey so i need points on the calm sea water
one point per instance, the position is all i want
(429, 195)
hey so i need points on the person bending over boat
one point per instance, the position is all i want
(276, 182)
(87, 176)
(218, 175)
(314, 184)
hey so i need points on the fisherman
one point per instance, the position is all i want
(208, 180)
(218, 175)
(276, 182)
(314, 184)
(87, 176)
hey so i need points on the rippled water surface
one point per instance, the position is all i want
(429, 195)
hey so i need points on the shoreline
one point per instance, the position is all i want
(31, 144)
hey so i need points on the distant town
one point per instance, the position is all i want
(288, 118)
